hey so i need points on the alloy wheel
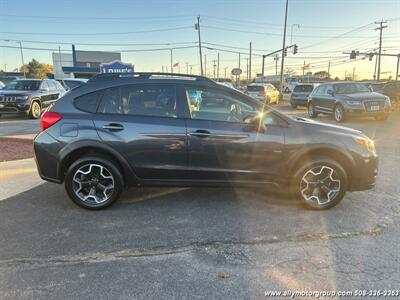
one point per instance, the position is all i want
(338, 113)
(93, 184)
(36, 110)
(320, 185)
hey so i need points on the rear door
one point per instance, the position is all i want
(142, 122)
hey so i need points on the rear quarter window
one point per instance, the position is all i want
(88, 102)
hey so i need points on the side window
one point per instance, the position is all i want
(140, 100)
(44, 85)
(88, 102)
(53, 85)
(213, 104)
(111, 101)
(322, 90)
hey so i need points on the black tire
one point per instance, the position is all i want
(35, 110)
(339, 114)
(110, 168)
(300, 188)
(311, 111)
(382, 117)
(293, 105)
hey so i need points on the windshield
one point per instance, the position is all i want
(23, 85)
(303, 88)
(350, 88)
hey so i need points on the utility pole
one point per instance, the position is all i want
(380, 28)
(397, 69)
(205, 65)
(376, 64)
(238, 77)
(197, 27)
(304, 68)
(191, 69)
(214, 68)
(250, 64)
(329, 69)
(262, 68)
(225, 71)
(187, 68)
(218, 65)
(22, 58)
(247, 69)
(354, 71)
(283, 50)
(172, 68)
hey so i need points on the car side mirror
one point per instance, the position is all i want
(370, 89)
(331, 92)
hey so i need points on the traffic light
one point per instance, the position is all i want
(353, 54)
(295, 49)
(370, 56)
(285, 51)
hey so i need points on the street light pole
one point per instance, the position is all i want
(283, 50)
(291, 32)
(22, 58)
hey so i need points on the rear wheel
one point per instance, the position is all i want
(93, 182)
(321, 184)
(311, 111)
(339, 113)
(35, 110)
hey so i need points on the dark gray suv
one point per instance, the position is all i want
(345, 99)
(148, 129)
(29, 96)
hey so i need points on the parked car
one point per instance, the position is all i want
(347, 99)
(374, 86)
(150, 129)
(29, 96)
(392, 90)
(2, 85)
(72, 83)
(7, 79)
(300, 95)
(264, 92)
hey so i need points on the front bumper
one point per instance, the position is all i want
(364, 110)
(365, 173)
(13, 108)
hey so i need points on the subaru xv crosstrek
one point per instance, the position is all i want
(155, 129)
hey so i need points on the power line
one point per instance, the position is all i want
(98, 18)
(99, 33)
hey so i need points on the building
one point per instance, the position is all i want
(81, 64)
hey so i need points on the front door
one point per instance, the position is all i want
(222, 146)
(142, 123)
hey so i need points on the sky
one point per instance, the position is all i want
(326, 29)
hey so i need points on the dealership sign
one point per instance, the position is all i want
(116, 66)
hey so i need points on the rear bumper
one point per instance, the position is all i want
(364, 175)
(46, 150)
(299, 101)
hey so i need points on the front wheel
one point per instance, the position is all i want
(321, 184)
(35, 111)
(311, 111)
(339, 114)
(93, 182)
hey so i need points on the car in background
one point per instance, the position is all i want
(7, 79)
(264, 92)
(151, 129)
(374, 86)
(2, 85)
(392, 90)
(300, 95)
(29, 96)
(72, 83)
(345, 99)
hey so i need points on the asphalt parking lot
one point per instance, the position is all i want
(174, 242)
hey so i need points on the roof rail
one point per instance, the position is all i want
(147, 75)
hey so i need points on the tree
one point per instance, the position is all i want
(36, 69)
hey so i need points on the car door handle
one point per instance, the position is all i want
(113, 127)
(200, 133)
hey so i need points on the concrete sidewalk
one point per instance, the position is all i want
(18, 176)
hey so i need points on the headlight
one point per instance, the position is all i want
(22, 98)
(366, 143)
(353, 102)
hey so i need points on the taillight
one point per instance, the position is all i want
(49, 119)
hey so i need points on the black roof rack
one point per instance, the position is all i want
(147, 75)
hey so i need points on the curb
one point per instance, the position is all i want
(19, 137)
